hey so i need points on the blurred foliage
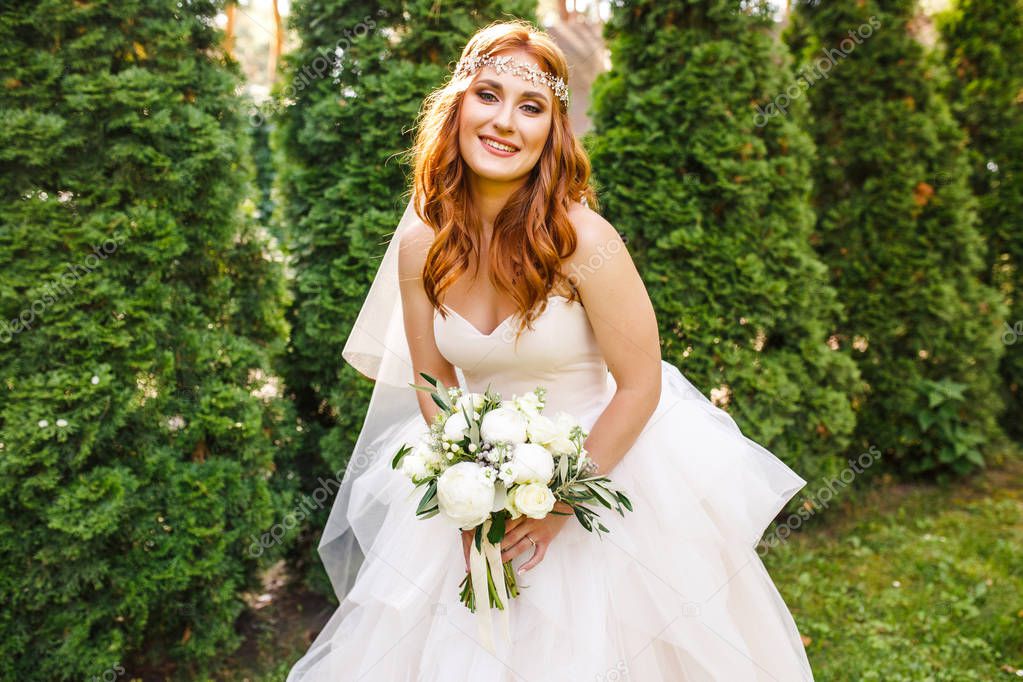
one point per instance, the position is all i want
(897, 226)
(716, 208)
(983, 43)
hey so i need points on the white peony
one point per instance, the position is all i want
(455, 428)
(470, 402)
(532, 463)
(529, 404)
(465, 495)
(432, 459)
(504, 424)
(541, 429)
(534, 500)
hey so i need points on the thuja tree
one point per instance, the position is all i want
(714, 202)
(897, 227)
(984, 46)
(142, 316)
(354, 89)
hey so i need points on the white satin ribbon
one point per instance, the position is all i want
(478, 562)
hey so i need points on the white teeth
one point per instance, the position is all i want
(498, 145)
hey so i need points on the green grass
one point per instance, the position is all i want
(897, 583)
(912, 582)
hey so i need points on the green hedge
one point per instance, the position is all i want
(898, 229)
(715, 208)
(984, 45)
(136, 461)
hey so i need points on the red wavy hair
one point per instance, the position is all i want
(532, 233)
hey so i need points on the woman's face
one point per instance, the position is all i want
(509, 109)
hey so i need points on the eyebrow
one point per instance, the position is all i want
(528, 93)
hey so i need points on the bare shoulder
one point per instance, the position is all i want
(413, 245)
(595, 236)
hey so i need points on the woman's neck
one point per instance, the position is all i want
(489, 198)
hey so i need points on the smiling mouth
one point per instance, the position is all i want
(498, 146)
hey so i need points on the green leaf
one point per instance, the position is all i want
(602, 496)
(497, 526)
(402, 451)
(431, 492)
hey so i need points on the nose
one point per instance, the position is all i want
(503, 117)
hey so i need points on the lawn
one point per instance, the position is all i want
(912, 582)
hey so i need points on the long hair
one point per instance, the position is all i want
(532, 232)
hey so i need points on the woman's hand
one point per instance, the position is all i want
(542, 531)
(515, 542)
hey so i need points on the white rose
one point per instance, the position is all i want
(562, 442)
(503, 424)
(532, 463)
(465, 495)
(455, 428)
(414, 467)
(535, 500)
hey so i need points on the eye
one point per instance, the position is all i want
(486, 93)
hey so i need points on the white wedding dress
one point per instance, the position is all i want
(676, 591)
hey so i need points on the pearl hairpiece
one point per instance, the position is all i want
(469, 65)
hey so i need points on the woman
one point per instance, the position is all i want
(500, 274)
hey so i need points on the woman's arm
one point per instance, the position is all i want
(623, 321)
(418, 316)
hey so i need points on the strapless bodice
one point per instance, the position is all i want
(559, 353)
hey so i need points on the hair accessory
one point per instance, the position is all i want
(469, 65)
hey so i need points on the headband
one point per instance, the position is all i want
(469, 65)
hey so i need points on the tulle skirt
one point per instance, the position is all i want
(674, 591)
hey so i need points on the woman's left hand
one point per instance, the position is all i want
(542, 531)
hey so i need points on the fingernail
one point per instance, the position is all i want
(521, 571)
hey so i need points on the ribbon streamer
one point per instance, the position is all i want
(478, 563)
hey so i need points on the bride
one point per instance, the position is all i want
(500, 274)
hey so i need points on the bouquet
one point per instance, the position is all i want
(486, 460)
